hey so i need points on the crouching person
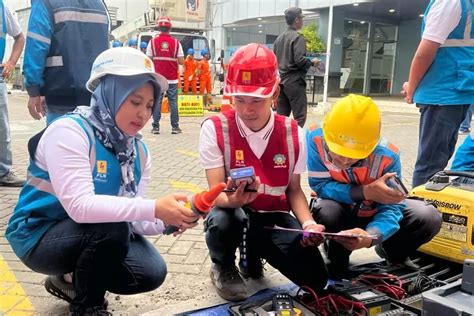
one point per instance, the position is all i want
(83, 208)
(349, 165)
(274, 145)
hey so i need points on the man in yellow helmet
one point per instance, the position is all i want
(349, 167)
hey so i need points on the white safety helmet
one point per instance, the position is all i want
(123, 61)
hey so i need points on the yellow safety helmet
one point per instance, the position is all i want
(352, 128)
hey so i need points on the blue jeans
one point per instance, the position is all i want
(466, 123)
(438, 134)
(104, 257)
(283, 250)
(172, 94)
(5, 139)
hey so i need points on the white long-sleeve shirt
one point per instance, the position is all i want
(63, 151)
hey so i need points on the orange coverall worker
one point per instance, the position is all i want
(204, 76)
(190, 66)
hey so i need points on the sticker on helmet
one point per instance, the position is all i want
(246, 76)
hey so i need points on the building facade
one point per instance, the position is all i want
(373, 41)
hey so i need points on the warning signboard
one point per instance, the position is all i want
(190, 105)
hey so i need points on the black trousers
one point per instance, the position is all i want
(420, 223)
(224, 231)
(293, 98)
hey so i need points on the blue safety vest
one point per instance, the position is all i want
(3, 31)
(80, 34)
(38, 207)
(450, 78)
(464, 157)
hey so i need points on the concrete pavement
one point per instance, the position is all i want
(175, 169)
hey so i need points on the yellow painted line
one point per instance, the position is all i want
(13, 299)
(186, 186)
(188, 153)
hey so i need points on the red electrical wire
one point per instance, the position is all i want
(385, 283)
(332, 304)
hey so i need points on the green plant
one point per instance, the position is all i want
(313, 41)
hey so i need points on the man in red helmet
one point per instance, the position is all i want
(167, 53)
(274, 145)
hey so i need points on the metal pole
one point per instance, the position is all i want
(328, 57)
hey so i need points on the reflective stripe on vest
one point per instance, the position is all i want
(38, 37)
(467, 40)
(40, 184)
(291, 147)
(164, 58)
(78, 16)
(54, 61)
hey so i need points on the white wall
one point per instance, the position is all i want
(128, 9)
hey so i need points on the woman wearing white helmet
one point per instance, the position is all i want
(83, 208)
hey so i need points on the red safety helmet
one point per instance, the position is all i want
(252, 71)
(163, 21)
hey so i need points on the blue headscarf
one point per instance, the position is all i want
(106, 101)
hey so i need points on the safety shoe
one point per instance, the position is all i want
(56, 286)
(252, 269)
(155, 130)
(228, 282)
(406, 262)
(11, 180)
(176, 130)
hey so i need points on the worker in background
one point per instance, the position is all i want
(441, 82)
(116, 44)
(290, 49)
(349, 165)
(167, 53)
(204, 71)
(133, 43)
(59, 54)
(252, 135)
(190, 67)
(11, 28)
(143, 46)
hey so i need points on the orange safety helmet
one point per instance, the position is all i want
(163, 21)
(252, 71)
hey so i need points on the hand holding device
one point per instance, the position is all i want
(395, 183)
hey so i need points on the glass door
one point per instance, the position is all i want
(383, 58)
(354, 56)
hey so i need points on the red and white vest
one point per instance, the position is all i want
(275, 166)
(165, 53)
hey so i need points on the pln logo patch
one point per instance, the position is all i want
(279, 161)
(246, 76)
(239, 158)
(101, 170)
